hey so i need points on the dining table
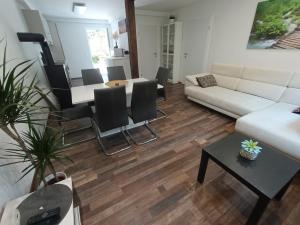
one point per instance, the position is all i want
(85, 93)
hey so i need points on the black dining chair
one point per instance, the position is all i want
(162, 77)
(116, 73)
(69, 113)
(111, 113)
(143, 106)
(59, 81)
(91, 76)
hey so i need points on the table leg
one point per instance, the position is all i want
(203, 166)
(258, 210)
(283, 190)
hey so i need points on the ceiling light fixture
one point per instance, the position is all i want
(79, 8)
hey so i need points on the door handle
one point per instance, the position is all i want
(155, 54)
(185, 55)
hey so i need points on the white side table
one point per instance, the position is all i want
(9, 214)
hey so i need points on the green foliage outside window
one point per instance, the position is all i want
(95, 59)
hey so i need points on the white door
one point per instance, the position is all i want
(149, 50)
(194, 48)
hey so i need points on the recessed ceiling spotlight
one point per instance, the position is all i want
(79, 8)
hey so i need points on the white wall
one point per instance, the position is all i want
(148, 33)
(231, 29)
(11, 21)
(73, 41)
(151, 20)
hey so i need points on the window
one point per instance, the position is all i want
(99, 48)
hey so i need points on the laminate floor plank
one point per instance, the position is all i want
(156, 184)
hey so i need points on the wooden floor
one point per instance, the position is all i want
(156, 184)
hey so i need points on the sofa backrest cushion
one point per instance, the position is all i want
(292, 94)
(222, 81)
(265, 90)
(227, 82)
(295, 81)
(192, 79)
(280, 78)
(227, 70)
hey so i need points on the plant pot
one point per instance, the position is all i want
(60, 176)
(248, 155)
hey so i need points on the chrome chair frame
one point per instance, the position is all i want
(104, 149)
(153, 138)
(72, 131)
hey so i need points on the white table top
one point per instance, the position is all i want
(9, 216)
(83, 94)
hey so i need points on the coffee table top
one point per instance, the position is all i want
(268, 174)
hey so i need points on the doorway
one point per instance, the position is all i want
(148, 37)
(195, 48)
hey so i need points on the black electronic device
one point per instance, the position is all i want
(49, 217)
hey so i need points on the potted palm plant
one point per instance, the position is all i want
(20, 104)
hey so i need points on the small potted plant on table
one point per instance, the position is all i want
(250, 149)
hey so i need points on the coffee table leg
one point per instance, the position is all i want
(282, 191)
(203, 167)
(258, 210)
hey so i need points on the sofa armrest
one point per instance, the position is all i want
(190, 80)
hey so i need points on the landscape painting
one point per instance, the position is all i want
(122, 26)
(276, 25)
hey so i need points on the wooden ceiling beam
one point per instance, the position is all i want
(132, 39)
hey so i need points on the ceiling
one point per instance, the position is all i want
(162, 5)
(96, 9)
(103, 9)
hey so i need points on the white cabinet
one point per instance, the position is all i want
(171, 49)
(36, 23)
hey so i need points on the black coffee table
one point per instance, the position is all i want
(269, 176)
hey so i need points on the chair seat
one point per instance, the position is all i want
(77, 112)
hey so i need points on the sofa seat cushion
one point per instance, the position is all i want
(276, 126)
(233, 101)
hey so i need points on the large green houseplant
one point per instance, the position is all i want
(20, 100)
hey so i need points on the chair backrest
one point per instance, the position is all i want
(143, 101)
(63, 97)
(57, 77)
(91, 76)
(111, 109)
(116, 73)
(162, 77)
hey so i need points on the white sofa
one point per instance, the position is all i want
(261, 100)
